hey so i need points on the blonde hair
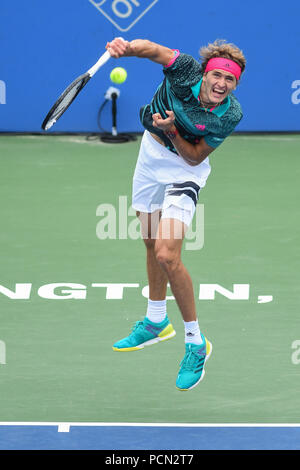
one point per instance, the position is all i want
(221, 48)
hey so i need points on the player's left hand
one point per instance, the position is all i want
(164, 124)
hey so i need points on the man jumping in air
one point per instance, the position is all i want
(190, 115)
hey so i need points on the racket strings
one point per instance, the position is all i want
(64, 102)
(67, 99)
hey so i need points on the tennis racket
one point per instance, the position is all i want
(70, 93)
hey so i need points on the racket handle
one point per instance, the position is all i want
(103, 59)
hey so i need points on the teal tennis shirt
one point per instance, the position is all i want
(179, 93)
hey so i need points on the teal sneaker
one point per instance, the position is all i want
(145, 333)
(192, 366)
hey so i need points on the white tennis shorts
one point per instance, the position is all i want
(164, 181)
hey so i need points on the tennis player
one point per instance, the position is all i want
(190, 115)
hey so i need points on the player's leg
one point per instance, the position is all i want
(155, 326)
(168, 255)
(157, 278)
(147, 199)
(172, 228)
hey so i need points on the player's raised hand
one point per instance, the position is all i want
(163, 124)
(118, 47)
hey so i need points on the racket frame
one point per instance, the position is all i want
(48, 122)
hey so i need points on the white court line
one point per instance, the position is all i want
(65, 427)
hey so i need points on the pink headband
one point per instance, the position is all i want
(224, 64)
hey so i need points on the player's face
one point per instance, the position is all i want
(217, 84)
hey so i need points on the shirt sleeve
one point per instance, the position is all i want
(182, 72)
(214, 140)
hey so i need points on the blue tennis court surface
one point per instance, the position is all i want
(68, 436)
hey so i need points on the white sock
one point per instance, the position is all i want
(192, 332)
(157, 310)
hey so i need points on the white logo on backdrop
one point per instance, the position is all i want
(123, 14)
(296, 94)
(2, 92)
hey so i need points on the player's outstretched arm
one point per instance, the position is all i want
(140, 48)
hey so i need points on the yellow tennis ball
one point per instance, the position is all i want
(118, 75)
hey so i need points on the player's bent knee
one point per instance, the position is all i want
(168, 259)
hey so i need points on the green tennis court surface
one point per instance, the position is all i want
(56, 360)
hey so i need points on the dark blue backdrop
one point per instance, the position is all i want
(45, 44)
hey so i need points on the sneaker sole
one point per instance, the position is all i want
(203, 372)
(156, 340)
